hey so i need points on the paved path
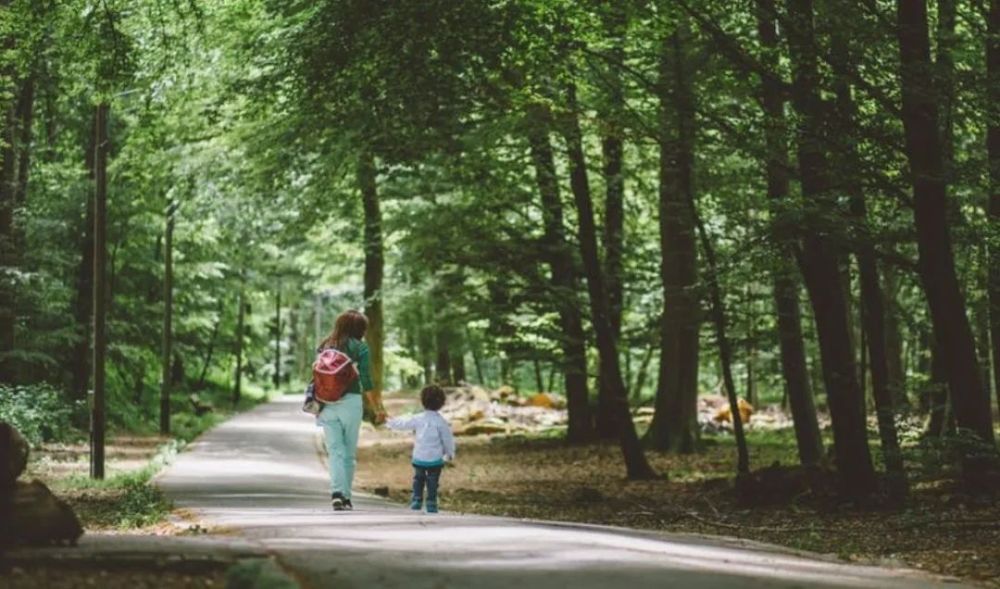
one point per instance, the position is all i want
(259, 475)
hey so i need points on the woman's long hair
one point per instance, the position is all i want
(349, 324)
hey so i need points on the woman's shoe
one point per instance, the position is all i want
(347, 505)
(337, 502)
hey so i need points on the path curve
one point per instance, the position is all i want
(259, 475)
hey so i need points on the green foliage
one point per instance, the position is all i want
(39, 412)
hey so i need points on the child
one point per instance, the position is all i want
(433, 444)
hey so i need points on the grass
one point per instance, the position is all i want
(126, 500)
(940, 528)
(123, 501)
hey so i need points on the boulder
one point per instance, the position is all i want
(546, 401)
(475, 429)
(725, 414)
(13, 455)
(40, 518)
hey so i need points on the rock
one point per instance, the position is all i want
(13, 455)
(476, 429)
(546, 401)
(725, 414)
(505, 392)
(41, 518)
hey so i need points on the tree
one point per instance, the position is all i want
(930, 205)
(785, 282)
(674, 424)
(636, 465)
(819, 262)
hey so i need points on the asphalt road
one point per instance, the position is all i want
(259, 476)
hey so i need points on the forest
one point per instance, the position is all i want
(630, 204)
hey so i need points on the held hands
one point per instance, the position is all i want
(373, 409)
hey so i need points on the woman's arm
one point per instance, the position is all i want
(372, 398)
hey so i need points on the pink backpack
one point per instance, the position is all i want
(333, 373)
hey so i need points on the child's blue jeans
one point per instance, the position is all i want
(428, 476)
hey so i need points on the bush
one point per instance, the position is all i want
(40, 412)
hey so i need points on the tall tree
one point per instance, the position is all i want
(374, 266)
(819, 261)
(674, 425)
(564, 281)
(993, 208)
(636, 465)
(936, 263)
(615, 20)
(786, 286)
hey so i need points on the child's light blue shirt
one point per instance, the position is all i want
(433, 442)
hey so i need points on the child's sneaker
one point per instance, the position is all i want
(337, 502)
(432, 507)
(416, 505)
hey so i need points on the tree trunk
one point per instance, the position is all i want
(674, 426)
(993, 208)
(474, 350)
(442, 364)
(937, 394)
(894, 340)
(725, 348)
(8, 250)
(277, 338)
(936, 263)
(211, 350)
(539, 380)
(25, 120)
(636, 465)
(798, 390)
(819, 261)
(240, 333)
(374, 267)
(97, 409)
(873, 335)
(564, 281)
(615, 23)
(168, 321)
(643, 373)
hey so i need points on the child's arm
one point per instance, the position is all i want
(448, 439)
(402, 423)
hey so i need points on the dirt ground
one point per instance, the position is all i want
(73, 577)
(117, 504)
(939, 529)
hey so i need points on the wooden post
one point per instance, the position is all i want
(240, 318)
(277, 338)
(168, 312)
(97, 406)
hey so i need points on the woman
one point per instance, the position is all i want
(341, 420)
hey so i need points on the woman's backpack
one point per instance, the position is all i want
(333, 373)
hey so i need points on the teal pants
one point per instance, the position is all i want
(341, 423)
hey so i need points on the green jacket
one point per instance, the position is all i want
(358, 351)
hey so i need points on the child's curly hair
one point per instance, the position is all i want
(432, 397)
